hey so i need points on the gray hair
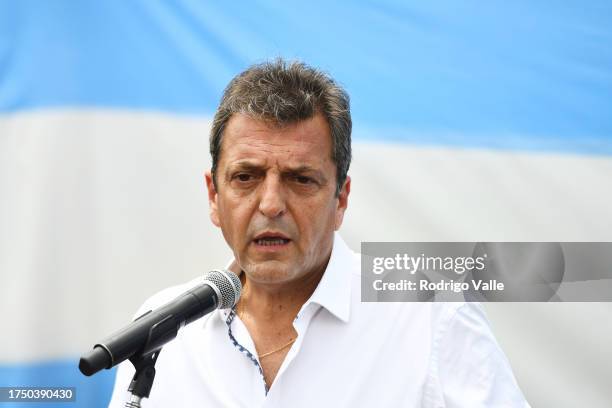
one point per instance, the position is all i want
(285, 93)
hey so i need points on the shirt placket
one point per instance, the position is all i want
(245, 349)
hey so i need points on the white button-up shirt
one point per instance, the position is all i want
(347, 354)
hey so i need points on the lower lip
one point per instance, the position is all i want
(271, 248)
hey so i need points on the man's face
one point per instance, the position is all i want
(275, 198)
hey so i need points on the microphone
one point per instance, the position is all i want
(149, 332)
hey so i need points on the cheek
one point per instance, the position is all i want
(317, 220)
(235, 217)
(225, 225)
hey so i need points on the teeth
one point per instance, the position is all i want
(271, 241)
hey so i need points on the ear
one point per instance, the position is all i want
(212, 199)
(342, 202)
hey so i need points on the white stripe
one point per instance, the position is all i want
(403, 193)
(94, 204)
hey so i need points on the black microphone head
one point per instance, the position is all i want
(227, 285)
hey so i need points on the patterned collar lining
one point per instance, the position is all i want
(242, 349)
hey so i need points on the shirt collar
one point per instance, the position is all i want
(334, 290)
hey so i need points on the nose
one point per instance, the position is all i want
(272, 200)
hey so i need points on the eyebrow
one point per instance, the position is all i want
(244, 165)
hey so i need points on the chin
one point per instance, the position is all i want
(268, 272)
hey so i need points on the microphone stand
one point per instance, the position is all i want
(141, 384)
(144, 362)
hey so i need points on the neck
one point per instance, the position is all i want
(275, 303)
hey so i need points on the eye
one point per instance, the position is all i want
(303, 179)
(243, 180)
(243, 177)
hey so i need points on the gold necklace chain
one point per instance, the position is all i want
(278, 349)
(240, 312)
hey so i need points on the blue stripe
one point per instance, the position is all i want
(594, 146)
(518, 74)
(91, 392)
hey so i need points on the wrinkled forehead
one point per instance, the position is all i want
(247, 139)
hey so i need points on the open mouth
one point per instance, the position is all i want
(271, 241)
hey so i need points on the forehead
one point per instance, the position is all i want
(307, 142)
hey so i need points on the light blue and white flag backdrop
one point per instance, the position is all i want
(473, 121)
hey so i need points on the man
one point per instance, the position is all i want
(299, 336)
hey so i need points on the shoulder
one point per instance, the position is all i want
(166, 295)
(445, 314)
(467, 363)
